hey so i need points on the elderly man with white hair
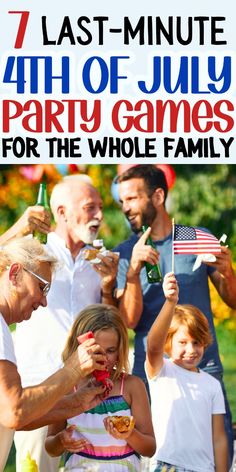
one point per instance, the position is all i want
(77, 209)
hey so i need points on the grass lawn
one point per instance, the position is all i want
(227, 344)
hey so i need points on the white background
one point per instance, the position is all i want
(138, 65)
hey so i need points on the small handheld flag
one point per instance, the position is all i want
(189, 240)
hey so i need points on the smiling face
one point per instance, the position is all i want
(137, 205)
(186, 351)
(108, 339)
(28, 292)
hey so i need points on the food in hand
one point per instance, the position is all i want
(90, 254)
(123, 424)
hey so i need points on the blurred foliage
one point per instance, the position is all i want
(227, 341)
(17, 193)
(223, 314)
(203, 195)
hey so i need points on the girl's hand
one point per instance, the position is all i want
(70, 442)
(113, 431)
(170, 287)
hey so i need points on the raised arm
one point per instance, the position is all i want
(34, 217)
(131, 298)
(158, 332)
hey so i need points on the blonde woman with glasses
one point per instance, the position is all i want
(25, 278)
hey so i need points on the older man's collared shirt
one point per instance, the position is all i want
(41, 340)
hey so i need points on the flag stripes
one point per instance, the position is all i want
(189, 240)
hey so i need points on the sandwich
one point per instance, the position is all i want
(122, 423)
(90, 254)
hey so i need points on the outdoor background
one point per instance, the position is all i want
(201, 195)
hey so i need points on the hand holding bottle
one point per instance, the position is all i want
(153, 270)
(142, 253)
(34, 217)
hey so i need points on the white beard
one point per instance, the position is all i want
(84, 233)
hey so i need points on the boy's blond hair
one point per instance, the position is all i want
(194, 320)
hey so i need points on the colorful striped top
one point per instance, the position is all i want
(104, 452)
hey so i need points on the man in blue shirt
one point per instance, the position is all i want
(143, 191)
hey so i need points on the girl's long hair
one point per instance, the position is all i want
(99, 317)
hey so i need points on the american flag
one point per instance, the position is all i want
(189, 240)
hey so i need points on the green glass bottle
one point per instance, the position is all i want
(43, 201)
(153, 271)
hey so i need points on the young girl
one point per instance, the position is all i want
(187, 403)
(97, 441)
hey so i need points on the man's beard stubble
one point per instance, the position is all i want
(148, 215)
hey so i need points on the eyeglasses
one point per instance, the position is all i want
(47, 284)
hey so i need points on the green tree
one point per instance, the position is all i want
(205, 195)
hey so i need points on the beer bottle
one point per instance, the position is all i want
(153, 271)
(43, 201)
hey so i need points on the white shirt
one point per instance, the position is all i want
(41, 340)
(7, 354)
(6, 344)
(183, 403)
